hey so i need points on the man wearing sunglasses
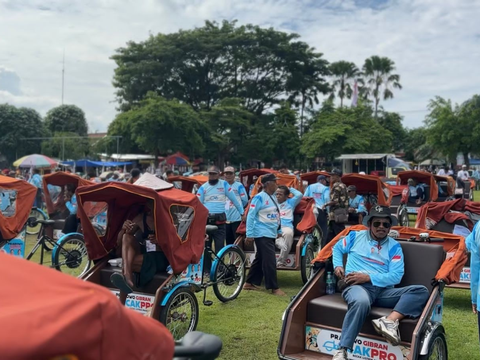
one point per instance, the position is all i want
(374, 266)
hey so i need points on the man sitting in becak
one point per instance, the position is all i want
(374, 266)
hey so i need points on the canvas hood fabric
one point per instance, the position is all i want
(369, 184)
(21, 196)
(246, 176)
(282, 179)
(454, 246)
(45, 314)
(60, 179)
(431, 213)
(419, 177)
(304, 208)
(180, 220)
(188, 182)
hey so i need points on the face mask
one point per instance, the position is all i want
(213, 182)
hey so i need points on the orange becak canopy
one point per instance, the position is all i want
(60, 179)
(16, 200)
(282, 179)
(311, 177)
(368, 184)
(454, 245)
(246, 176)
(304, 208)
(436, 212)
(419, 177)
(45, 314)
(188, 182)
(451, 183)
(180, 220)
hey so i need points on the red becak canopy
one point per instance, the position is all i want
(419, 177)
(311, 177)
(453, 244)
(20, 195)
(60, 179)
(368, 184)
(435, 212)
(61, 315)
(188, 182)
(180, 220)
(246, 176)
(450, 183)
(305, 208)
(290, 181)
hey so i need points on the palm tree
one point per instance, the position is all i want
(378, 73)
(307, 83)
(343, 72)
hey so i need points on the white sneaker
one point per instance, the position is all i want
(388, 329)
(340, 354)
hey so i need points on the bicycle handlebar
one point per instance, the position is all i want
(196, 345)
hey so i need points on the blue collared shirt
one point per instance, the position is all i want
(358, 203)
(473, 245)
(319, 192)
(383, 261)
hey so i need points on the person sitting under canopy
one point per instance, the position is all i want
(416, 192)
(140, 251)
(356, 205)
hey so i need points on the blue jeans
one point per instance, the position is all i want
(408, 301)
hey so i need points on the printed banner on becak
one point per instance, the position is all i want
(327, 341)
(138, 302)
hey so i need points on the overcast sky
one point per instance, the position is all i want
(434, 43)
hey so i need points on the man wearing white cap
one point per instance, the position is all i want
(233, 216)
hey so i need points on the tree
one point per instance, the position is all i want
(67, 118)
(160, 126)
(454, 129)
(343, 72)
(392, 122)
(228, 123)
(202, 66)
(66, 146)
(378, 75)
(345, 130)
(414, 140)
(285, 134)
(18, 124)
(121, 126)
(307, 83)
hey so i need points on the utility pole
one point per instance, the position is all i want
(63, 75)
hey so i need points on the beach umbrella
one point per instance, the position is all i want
(35, 161)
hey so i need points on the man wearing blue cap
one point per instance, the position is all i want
(321, 194)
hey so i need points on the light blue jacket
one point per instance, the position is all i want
(241, 195)
(263, 219)
(473, 245)
(287, 208)
(358, 203)
(384, 262)
(319, 192)
(214, 197)
(36, 181)
(72, 205)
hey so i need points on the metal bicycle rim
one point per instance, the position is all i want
(438, 350)
(226, 276)
(77, 264)
(181, 315)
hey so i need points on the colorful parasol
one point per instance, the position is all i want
(177, 159)
(35, 161)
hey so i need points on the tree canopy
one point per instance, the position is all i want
(202, 66)
(67, 118)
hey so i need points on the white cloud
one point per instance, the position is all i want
(433, 43)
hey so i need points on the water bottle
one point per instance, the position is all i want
(330, 284)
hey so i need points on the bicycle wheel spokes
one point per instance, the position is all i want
(72, 257)
(229, 275)
(181, 315)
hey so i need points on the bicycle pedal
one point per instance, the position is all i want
(207, 302)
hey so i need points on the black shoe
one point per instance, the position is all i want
(118, 280)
